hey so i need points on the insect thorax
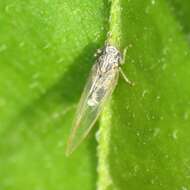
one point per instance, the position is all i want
(107, 66)
(109, 58)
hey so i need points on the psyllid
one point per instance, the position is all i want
(100, 85)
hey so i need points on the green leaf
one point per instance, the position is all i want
(46, 51)
(144, 135)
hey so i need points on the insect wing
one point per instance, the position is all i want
(86, 114)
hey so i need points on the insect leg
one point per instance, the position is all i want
(125, 77)
(124, 56)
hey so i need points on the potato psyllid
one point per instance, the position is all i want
(100, 85)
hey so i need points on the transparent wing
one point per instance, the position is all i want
(87, 114)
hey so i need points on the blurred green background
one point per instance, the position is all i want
(46, 51)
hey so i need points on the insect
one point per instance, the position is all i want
(100, 85)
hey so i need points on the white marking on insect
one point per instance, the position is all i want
(100, 85)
